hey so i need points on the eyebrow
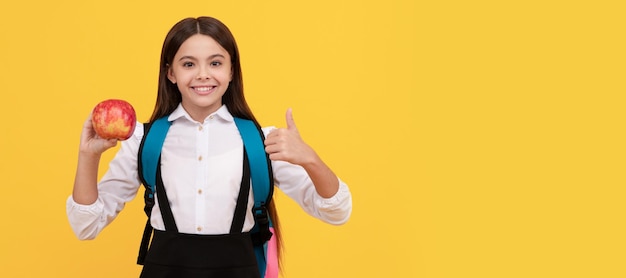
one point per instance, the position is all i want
(194, 58)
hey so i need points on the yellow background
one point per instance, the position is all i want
(479, 138)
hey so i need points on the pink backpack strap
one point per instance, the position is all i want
(271, 270)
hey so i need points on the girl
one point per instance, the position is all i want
(200, 90)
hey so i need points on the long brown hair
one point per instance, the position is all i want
(168, 95)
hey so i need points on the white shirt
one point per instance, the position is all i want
(201, 166)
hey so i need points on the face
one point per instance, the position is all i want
(201, 70)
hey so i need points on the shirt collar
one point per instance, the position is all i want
(180, 112)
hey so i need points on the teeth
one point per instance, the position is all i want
(203, 89)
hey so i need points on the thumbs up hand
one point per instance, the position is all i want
(286, 144)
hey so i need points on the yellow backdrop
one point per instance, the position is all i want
(479, 138)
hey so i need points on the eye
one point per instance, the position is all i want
(187, 64)
(216, 63)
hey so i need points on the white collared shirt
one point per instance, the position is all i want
(201, 166)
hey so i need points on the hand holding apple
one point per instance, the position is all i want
(114, 119)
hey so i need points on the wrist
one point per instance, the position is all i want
(311, 161)
(87, 155)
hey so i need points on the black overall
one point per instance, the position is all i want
(177, 255)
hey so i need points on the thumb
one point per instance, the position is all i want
(290, 122)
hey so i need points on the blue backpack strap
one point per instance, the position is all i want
(147, 163)
(262, 188)
(252, 141)
(151, 151)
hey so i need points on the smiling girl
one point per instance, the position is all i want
(200, 91)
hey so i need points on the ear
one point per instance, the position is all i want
(170, 74)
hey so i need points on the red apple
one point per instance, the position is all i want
(114, 119)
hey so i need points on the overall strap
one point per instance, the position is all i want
(239, 218)
(164, 203)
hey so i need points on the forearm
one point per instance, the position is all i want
(85, 183)
(319, 192)
(324, 179)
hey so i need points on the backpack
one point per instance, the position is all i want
(262, 187)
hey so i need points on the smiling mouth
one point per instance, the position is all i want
(204, 89)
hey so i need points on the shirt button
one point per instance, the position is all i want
(199, 158)
(211, 117)
(200, 128)
(199, 191)
(199, 229)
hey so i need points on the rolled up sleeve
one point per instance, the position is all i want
(295, 183)
(85, 220)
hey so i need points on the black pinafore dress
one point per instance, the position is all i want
(177, 255)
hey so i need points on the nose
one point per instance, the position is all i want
(203, 73)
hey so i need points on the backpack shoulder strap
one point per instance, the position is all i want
(260, 170)
(147, 163)
(262, 188)
(150, 151)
